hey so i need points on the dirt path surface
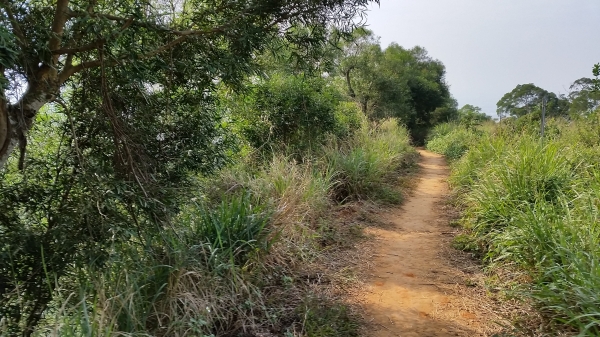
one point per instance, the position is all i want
(413, 289)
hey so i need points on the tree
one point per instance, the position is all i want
(396, 82)
(445, 113)
(56, 40)
(596, 73)
(358, 67)
(527, 98)
(583, 97)
(287, 112)
(471, 115)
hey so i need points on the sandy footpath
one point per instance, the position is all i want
(412, 289)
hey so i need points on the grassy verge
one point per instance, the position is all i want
(531, 206)
(240, 259)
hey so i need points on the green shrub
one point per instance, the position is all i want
(348, 119)
(441, 130)
(232, 233)
(451, 141)
(289, 114)
(366, 170)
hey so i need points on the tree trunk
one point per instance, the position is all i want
(3, 121)
(17, 119)
(7, 141)
(351, 92)
(364, 107)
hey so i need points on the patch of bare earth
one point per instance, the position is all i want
(416, 285)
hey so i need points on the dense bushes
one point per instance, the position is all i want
(532, 204)
(364, 167)
(292, 113)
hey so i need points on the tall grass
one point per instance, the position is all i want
(194, 280)
(365, 168)
(229, 263)
(532, 205)
(451, 140)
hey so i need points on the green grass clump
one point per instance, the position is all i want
(451, 140)
(366, 169)
(196, 279)
(533, 205)
(232, 232)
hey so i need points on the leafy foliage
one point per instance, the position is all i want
(527, 98)
(471, 116)
(8, 54)
(452, 140)
(596, 73)
(192, 45)
(404, 83)
(583, 97)
(289, 111)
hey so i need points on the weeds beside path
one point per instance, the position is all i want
(414, 289)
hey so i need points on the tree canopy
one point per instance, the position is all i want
(155, 44)
(526, 98)
(470, 115)
(596, 73)
(583, 97)
(394, 82)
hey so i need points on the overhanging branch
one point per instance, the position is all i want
(183, 35)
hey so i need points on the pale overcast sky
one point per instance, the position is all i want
(490, 46)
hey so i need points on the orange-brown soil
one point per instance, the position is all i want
(414, 289)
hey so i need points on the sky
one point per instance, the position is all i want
(491, 46)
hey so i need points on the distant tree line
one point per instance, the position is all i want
(526, 99)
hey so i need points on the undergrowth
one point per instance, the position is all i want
(233, 262)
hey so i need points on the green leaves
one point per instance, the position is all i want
(396, 82)
(527, 99)
(583, 96)
(8, 54)
(596, 72)
(471, 116)
(287, 111)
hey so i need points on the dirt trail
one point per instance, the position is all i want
(412, 290)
